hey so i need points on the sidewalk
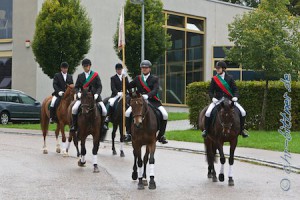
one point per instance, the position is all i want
(264, 157)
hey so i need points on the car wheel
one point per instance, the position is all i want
(4, 118)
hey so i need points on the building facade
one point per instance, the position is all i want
(198, 30)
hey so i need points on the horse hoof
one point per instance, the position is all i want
(145, 182)
(114, 152)
(214, 179)
(57, 150)
(209, 175)
(122, 154)
(230, 181)
(141, 186)
(221, 177)
(81, 164)
(134, 176)
(96, 169)
(65, 154)
(152, 185)
(45, 151)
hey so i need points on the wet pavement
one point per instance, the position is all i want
(26, 173)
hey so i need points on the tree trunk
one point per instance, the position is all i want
(264, 107)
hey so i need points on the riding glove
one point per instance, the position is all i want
(120, 94)
(234, 99)
(145, 96)
(96, 96)
(60, 93)
(79, 95)
(214, 100)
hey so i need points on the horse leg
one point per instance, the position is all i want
(69, 143)
(134, 173)
(138, 151)
(63, 139)
(145, 160)
(96, 141)
(45, 127)
(75, 141)
(122, 154)
(57, 141)
(152, 184)
(113, 135)
(233, 144)
(210, 151)
(222, 161)
(82, 160)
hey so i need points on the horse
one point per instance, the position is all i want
(225, 128)
(144, 130)
(89, 122)
(62, 120)
(116, 119)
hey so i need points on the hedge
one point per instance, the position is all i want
(251, 98)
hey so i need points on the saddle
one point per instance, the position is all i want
(158, 115)
(57, 102)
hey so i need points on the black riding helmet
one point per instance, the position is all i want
(119, 66)
(86, 62)
(64, 65)
(221, 64)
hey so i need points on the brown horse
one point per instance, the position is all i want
(144, 129)
(226, 128)
(62, 119)
(89, 122)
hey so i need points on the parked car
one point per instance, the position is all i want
(17, 106)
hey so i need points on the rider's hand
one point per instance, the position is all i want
(79, 95)
(234, 99)
(61, 93)
(96, 96)
(120, 94)
(214, 100)
(145, 96)
(124, 72)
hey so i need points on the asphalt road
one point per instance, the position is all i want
(26, 173)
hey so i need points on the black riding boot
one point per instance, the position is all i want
(207, 124)
(243, 130)
(128, 129)
(74, 123)
(52, 110)
(161, 135)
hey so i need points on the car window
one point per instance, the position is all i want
(2, 96)
(26, 99)
(13, 97)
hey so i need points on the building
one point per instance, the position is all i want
(198, 29)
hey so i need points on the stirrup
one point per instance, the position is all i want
(204, 133)
(127, 138)
(105, 125)
(244, 133)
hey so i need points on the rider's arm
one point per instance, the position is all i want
(155, 88)
(55, 83)
(212, 87)
(98, 85)
(113, 86)
(234, 88)
(78, 84)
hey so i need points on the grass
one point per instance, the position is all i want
(269, 140)
(177, 116)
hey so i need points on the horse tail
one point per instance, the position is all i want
(44, 117)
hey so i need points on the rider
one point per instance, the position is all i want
(86, 79)
(148, 86)
(116, 88)
(223, 85)
(60, 82)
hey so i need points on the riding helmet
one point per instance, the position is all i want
(221, 64)
(119, 66)
(86, 62)
(145, 63)
(64, 65)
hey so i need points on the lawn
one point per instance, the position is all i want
(270, 140)
(177, 116)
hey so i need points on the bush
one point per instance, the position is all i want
(251, 98)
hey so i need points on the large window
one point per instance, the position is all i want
(5, 75)
(183, 63)
(5, 19)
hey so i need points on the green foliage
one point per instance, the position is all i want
(63, 32)
(251, 98)
(156, 39)
(267, 39)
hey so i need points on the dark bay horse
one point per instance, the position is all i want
(117, 120)
(226, 128)
(62, 120)
(144, 129)
(89, 122)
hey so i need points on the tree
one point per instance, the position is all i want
(62, 33)
(156, 38)
(266, 39)
(294, 7)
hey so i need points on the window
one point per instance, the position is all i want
(183, 63)
(2, 96)
(5, 19)
(13, 97)
(5, 75)
(26, 99)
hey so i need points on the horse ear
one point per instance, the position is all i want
(222, 104)
(90, 88)
(232, 104)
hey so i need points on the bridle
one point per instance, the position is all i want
(144, 112)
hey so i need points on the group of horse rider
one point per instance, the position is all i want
(221, 85)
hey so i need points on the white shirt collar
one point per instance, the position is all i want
(87, 74)
(120, 77)
(222, 75)
(64, 76)
(146, 76)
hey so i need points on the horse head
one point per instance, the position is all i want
(226, 116)
(70, 92)
(139, 108)
(87, 101)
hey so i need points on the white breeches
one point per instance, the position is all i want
(160, 108)
(53, 101)
(78, 102)
(212, 105)
(112, 100)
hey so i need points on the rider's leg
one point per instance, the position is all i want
(74, 115)
(205, 132)
(104, 113)
(128, 124)
(242, 120)
(52, 109)
(161, 135)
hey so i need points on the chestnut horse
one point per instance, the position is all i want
(62, 119)
(144, 129)
(225, 128)
(89, 122)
